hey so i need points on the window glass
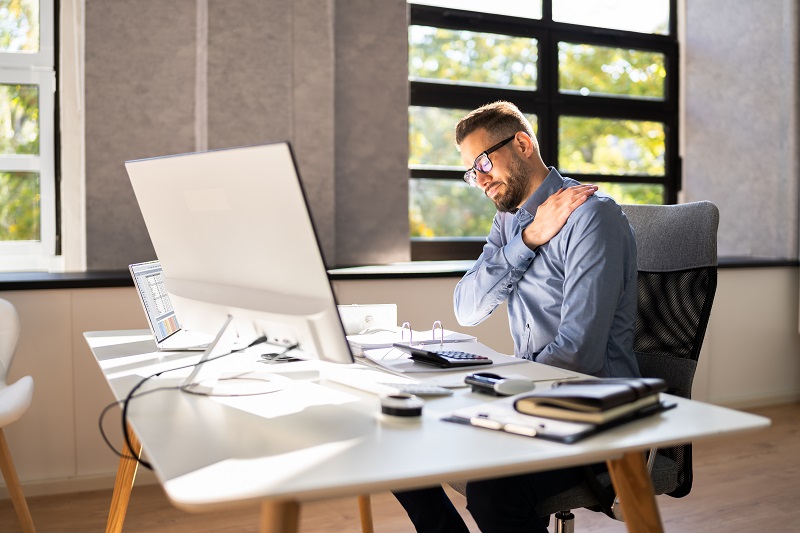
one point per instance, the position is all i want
(448, 208)
(620, 139)
(469, 57)
(431, 136)
(28, 210)
(643, 16)
(19, 26)
(19, 119)
(599, 70)
(610, 146)
(633, 193)
(19, 206)
(531, 9)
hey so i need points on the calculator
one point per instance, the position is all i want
(442, 358)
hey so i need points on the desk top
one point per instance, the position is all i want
(315, 439)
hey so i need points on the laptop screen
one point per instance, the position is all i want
(149, 281)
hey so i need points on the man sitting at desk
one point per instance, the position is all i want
(564, 258)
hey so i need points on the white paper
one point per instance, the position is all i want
(386, 337)
(399, 361)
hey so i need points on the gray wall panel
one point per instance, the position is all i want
(139, 103)
(249, 72)
(741, 121)
(313, 97)
(371, 131)
(330, 76)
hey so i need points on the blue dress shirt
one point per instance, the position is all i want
(572, 301)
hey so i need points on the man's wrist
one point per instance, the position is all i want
(531, 242)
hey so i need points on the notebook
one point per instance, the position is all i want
(167, 331)
(500, 415)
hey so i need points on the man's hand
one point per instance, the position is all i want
(553, 214)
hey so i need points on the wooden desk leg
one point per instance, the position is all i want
(635, 489)
(126, 474)
(280, 517)
(365, 511)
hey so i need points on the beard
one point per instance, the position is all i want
(516, 188)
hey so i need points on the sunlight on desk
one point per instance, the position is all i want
(119, 362)
(116, 340)
(234, 479)
(294, 397)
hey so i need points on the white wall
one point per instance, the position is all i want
(751, 357)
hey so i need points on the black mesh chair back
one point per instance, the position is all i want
(677, 264)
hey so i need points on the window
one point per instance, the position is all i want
(597, 78)
(27, 135)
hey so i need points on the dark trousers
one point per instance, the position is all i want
(502, 505)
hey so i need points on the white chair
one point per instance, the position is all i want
(14, 401)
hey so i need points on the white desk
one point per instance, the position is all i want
(316, 440)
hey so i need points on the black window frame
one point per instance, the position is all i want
(547, 103)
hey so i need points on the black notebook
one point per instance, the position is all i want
(501, 415)
(597, 401)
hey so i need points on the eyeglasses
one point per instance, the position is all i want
(483, 164)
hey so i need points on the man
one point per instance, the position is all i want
(564, 258)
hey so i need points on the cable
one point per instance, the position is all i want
(118, 403)
(126, 402)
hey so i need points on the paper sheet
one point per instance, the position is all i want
(386, 337)
(399, 361)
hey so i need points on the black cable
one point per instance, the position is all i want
(132, 395)
(118, 403)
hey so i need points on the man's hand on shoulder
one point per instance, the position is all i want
(553, 214)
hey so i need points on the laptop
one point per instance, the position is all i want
(148, 279)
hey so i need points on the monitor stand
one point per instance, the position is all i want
(205, 380)
(244, 383)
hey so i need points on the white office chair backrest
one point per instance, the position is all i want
(9, 334)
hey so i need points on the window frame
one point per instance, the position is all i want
(547, 103)
(37, 69)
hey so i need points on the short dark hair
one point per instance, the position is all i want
(501, 119)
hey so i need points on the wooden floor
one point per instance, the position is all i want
(743, 483)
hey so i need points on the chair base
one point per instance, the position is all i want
(565, 522)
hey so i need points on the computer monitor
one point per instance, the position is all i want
(234, 236)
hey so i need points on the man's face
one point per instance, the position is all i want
(507, 183)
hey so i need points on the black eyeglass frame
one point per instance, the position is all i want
(471, 175)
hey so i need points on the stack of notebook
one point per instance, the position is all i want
(570, 410)
(596, 401)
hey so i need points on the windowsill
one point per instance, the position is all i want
(20, 281)
(411, 269)
(438, 269)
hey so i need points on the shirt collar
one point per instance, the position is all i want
(552, 183)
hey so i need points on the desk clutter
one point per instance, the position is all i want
(372, 332)
(386, 336)
(593, 400)
(570, 410)
(398, 359)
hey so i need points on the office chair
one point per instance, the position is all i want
(677, 265)
(677, 278)
(14, 401)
